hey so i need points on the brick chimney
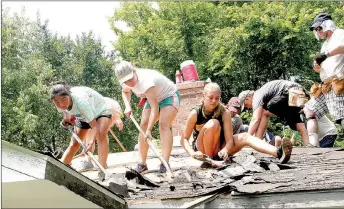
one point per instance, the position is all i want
(191, 94)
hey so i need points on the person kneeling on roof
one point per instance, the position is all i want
(281, 98)
(211, 126)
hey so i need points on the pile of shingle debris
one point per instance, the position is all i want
(195, 181)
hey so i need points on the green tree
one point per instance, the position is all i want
(239, 45)
(33, 57)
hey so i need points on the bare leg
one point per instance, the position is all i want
(167, 115)
(278, 141)
(245, 139)
(104, 125)
(312, 127)
(208, 140)
(73, 146)
(90, 135)
(143, 145)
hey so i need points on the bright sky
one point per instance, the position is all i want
(72, 17)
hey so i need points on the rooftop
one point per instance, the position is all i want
(250, 173)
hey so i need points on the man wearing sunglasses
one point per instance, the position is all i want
(327, 97)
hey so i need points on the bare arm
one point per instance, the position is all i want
(66, 119)
(254, 124)
(117, 119)
(126, 95)
(94, 125)
(228, 129)
(190, 124)
(153, 101)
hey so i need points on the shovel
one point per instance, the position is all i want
(103, 173)
(115, 186)
(151, 145)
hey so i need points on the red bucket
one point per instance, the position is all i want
(189, 71)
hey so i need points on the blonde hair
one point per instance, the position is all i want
(220, 108)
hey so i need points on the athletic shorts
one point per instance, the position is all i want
(84, 125)
(173, 100)
(279, 106)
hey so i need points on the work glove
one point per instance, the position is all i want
(142, 102)
(320, 57)
(65, 123)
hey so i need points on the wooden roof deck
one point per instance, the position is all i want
(309, 169)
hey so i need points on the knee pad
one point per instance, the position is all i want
(305, 120)
(311, 118)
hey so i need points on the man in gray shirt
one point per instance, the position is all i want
(272, 100)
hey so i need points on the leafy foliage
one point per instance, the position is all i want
(33, 57)
(239, 45)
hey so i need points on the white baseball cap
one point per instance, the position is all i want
(124, 71)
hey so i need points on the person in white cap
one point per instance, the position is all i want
(163, 101)
(272, 99)
(327, 97)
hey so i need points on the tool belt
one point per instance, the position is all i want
(297, 96)
(324, 87)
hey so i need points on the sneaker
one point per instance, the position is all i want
(162, 168)
(85, 166)
(141, 167)
(284, 151)
(311, 146)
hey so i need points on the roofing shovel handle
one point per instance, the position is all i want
(75, 136)
(151, 145)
